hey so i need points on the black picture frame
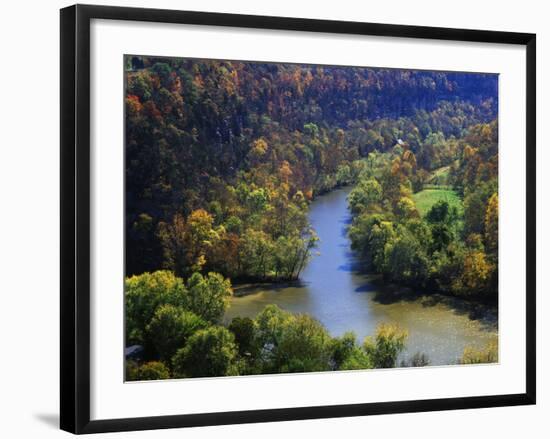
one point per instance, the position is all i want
(75, 217)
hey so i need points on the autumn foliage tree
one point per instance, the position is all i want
(198, 131)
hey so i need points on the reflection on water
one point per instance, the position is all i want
(333, 290)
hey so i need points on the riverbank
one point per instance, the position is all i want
(333, 290)
(246, 289)
(484, 312)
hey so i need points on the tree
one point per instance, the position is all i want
(223, 256)
(476, 274)
(357, 360)
(420, 230)
(304, 346)
(447, 268)
(257, 151)
(200, 237)
(365, 196)
(392, 181)
(369, 234)
(405, 259)
(410, 158)
(291, 253)
(475, 207)
(386, 345)
(441, 237)
(486, 354)
(256, 254)
(491, 224)
(244, 330)
(208, 296)
(144, 294)
(145, 253)
(209, 352)
(152, 370)
(406, 208)
(344, 174)
(270, 322)
(186, 242)
(440, 212)
(291, 343)
(347, 355)
(170, 328)
(173, 239)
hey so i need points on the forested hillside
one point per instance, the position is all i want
(441, 238)
(222, 158)
(222, 162)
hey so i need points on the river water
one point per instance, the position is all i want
(333, 290)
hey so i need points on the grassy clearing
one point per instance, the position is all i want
(428, 197)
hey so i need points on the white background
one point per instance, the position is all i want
(30, 203)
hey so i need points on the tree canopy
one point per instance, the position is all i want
(222, 160)
(222, 157)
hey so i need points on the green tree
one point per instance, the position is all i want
(475, 207)
(291, 254)
(152, 370)
(447, 268)
(256, 254)
(244, 330)
(270, 323)
(441, 237)
(144, 293)
(170, 328)
(208, 296)
(369, 235)
(343, 174)
(365, 196)
(291, 343)
(209, 352)
(440, 212)
(304, 346)
(347, 355)
(406, 260)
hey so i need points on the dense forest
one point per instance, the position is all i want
(223, 159)
(453, 246)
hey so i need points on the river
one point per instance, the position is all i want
(333, 290)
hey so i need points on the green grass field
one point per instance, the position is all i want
(428, 197)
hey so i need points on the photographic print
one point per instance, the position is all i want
(287, 218)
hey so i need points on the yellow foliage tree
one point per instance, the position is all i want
(476, 272)
(491, 223)
(187, 243)
(487, 354)
(258, 150)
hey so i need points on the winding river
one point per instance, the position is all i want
(333, 290)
